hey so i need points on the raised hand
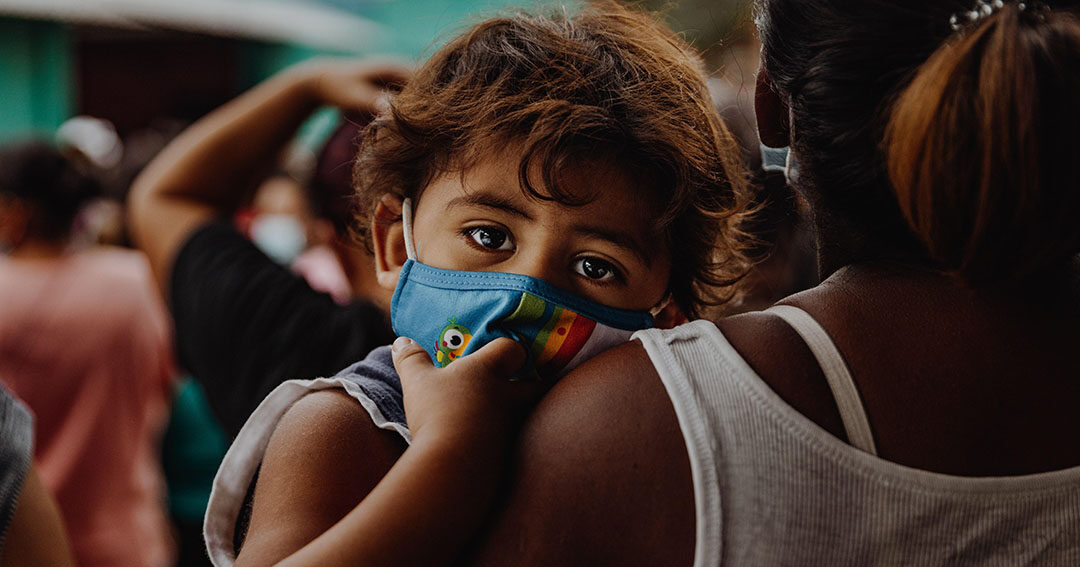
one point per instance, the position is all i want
(353, 85)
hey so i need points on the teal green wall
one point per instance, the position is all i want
(414, 27)
(37, 63)
(411, 29)
(36, 74)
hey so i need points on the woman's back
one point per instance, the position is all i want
(957, 381)
(772, 487)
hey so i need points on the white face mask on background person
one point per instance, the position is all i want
(281, 237)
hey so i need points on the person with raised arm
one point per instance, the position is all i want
(243, 323)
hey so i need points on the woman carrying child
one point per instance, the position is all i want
(878, 418)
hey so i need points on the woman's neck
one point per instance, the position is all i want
(861, 255)
(841, 243)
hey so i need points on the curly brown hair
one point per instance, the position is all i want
(606, 81)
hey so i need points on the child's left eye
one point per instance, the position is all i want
(490, 237)
(595, 269)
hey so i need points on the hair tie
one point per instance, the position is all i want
(983, 9)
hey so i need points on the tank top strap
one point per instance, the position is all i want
(852, 412)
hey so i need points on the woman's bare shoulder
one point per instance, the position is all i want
(601, 474)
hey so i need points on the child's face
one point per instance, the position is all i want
(604, 251)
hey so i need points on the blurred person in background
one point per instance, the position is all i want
(84, 342)
(244, 323)
(283, 224)
(335, 252)
(193, 442)
(301, 233)
(95, 147)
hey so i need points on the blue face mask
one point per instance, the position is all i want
(453, 313)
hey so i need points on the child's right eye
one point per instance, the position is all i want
(490, 238)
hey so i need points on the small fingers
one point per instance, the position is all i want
(500, 359)
(410, 357)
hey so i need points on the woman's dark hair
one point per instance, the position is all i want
(39, 175)
(982, 147)
(605, 83)
(977, 146)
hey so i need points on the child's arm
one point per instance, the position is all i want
(324, 457)
(432, 500)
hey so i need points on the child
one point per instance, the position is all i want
(557, 181)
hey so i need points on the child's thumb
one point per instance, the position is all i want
(409, 356)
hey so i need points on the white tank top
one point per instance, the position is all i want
(772, 487)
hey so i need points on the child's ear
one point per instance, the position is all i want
(388, 240)
(669, 317)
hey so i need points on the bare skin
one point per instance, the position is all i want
(36, 534)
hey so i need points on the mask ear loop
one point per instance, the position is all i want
(660, 306)
(406, 227)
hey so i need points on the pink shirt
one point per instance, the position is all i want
(323, 272)
(84, 342)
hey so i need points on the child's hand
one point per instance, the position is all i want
(471, 401)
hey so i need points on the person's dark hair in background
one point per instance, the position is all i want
(780, 244)
(838, 87)
(331, 190)
(48, 187)
(333, 200)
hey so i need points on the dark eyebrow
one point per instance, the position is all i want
(489, 201)
(619, 240)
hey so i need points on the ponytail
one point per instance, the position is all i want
(982, 147)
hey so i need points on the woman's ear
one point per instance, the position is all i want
(388, 240)
(773, 115)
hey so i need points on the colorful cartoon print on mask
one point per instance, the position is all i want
(452, 342)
